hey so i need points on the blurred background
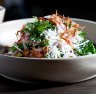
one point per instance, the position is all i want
(18, 9)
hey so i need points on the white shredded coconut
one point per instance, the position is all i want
(58, 47)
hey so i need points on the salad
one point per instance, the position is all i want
(52, 36)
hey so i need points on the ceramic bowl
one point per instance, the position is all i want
(33, 69)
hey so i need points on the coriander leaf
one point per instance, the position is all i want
(82, 34)
(85, 49)
(43, 25)
(32, 37)
(15, 46)
(44, 43)
(38, 27)
(28, 27)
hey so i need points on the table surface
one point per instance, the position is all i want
(11, 87)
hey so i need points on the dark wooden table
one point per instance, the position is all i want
(11, 87)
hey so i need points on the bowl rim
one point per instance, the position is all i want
(30, 58)
(24, 19)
